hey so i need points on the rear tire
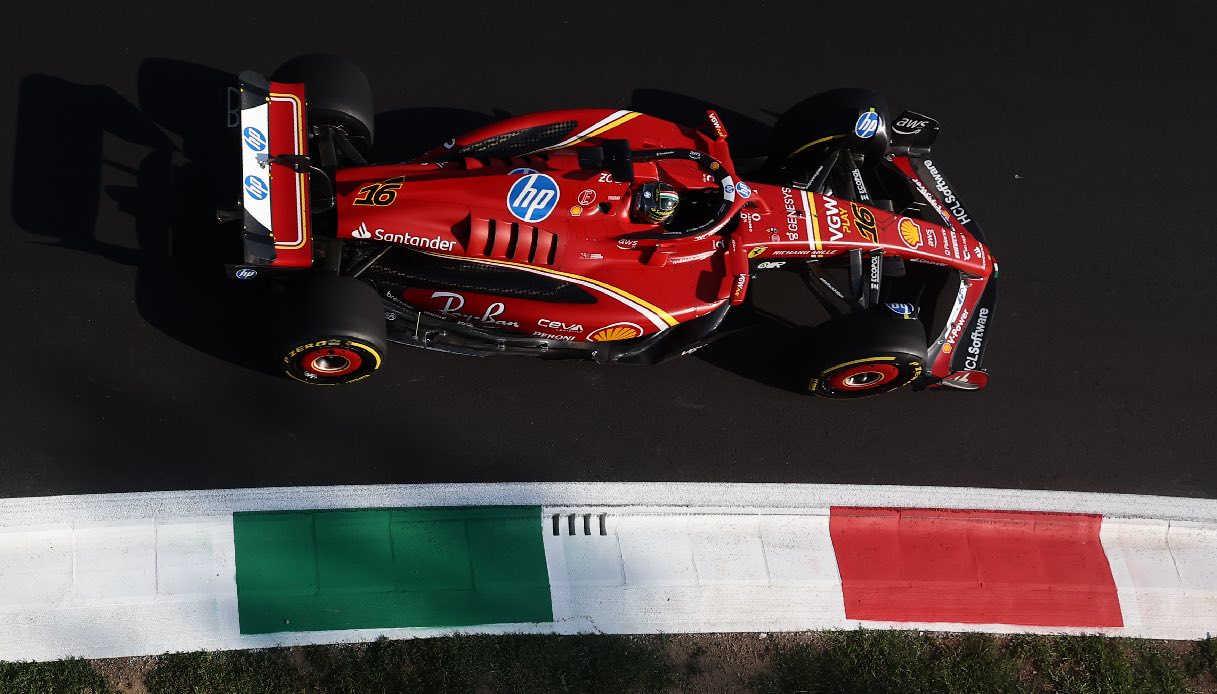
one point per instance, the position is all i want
(338, 94)
(866, 353)
(336, 332)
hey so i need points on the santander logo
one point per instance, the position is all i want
(407, 239)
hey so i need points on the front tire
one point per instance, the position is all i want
(866, 353)
(812, 128)
(336, 332)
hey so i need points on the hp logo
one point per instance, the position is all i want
(867, 125)
(254, 139)
(246, 273)
(533, 197)
(906, 310)
(256, 187)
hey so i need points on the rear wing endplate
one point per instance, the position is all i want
(274, 188)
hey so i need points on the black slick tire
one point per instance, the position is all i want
(334, 332)
(814, 126)
(865, 353)
(338, 94)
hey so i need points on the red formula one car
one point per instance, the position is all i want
(608, 235)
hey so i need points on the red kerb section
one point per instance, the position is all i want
(974, 567)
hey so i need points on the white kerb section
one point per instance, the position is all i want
(1166, 576)
(652, 573)
(117, 588)
(253, 163)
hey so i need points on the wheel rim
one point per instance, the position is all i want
(864, 377)
(331, 362)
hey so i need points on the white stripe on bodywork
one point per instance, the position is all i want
(254, 163)
(583, 133)
(809, 221)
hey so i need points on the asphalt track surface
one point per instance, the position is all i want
(1081, 139)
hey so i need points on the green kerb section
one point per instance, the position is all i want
(416, 567)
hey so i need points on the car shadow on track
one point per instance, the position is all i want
(763, 347)
(749, 137)
(769, 350)
(163, 163)
(403, 134)
(168, 161)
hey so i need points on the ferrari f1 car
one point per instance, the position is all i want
(608, 235)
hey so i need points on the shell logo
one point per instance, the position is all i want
(910, 232)
(616, 331)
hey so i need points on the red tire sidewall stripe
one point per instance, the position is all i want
(889, 372)
(354, 360)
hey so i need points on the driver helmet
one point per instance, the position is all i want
(655, 202)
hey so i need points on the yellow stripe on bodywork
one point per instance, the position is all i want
(813, 143)
(301, 148)
(660, 313)
(813, 221)
(620, 121)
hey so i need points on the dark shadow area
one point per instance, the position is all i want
(407, 133)
(168, 164)
(769, 350)
(765, 348)
(59, 159)
(748, 137)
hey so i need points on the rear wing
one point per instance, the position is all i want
(274, 174)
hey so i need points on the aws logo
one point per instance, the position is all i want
(616, 331)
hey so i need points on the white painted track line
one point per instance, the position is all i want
(676, 496)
